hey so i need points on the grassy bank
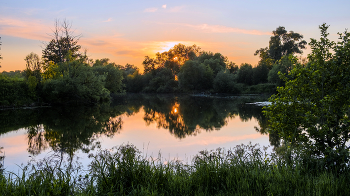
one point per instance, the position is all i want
(243, 170)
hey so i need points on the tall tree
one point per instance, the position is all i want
(312, 110)
(172, 59)
(245, 74)
(63, 45)
(282, 43)
(33, 66)
(0, 49)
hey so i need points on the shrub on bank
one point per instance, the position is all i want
(13, 92)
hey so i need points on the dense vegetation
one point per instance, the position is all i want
(311, 112)
(243, 170)
(65, 75)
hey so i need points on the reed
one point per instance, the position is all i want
(243, 170)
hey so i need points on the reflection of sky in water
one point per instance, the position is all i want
(149, 139)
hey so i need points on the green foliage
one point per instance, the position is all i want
(242, 170)
(224, 82)
(172, 59)
(216, 62)
(195, 76)
(282, 44)
(245, 74)
(135, 82)
(33, 66)
(312, 110)
(14, 74)
(32, 83)
(63, 45)
(79, 84)
(162, 82)
(265, 88)
(52, 71)
(232, 67)
(282, 67)
(13, 92)
(260, 73)
(129, 69)
(114, 76)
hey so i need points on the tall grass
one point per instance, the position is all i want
(243, 170)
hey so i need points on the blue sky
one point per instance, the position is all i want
(126, 31)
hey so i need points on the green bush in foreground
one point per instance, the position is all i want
(243, 170)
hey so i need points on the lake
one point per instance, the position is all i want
(177, 127)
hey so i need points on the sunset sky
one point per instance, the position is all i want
(126, 31)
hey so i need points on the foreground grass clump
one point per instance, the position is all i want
(243, 170)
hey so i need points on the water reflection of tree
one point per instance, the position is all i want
(36, 139)
(69, 129)
(195, 113)
(274, 138)
(2, 158)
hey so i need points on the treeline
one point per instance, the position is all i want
(65, 75)
(186, 69)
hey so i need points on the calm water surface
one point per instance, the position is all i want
(178, 127)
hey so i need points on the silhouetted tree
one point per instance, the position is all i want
(282, 43)
(245, 74)
(63, 45)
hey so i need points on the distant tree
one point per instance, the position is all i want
(282, 43)
(0, 53)
(245, 74)
(113, 74)
(217, 62)
(162, 82)
(260, 74)
(135, 82)
(172, 59)
(195, 76)
(224, 82)
(32, 83)
(232, 67)
(128, 69)
(283, 66)
(77, 84)
(14, 74)
(149, 64)
(33, 66)
(63, 44)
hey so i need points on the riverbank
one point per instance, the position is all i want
(243, 170)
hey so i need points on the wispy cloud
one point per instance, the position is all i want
(162, 46)
(218, 28)
(176, 9)
(225, 29)
(152, 9)
(28, 29)
(164, 6)
(118, 46)
(109, 20)
(114, 45)
(32, 11)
